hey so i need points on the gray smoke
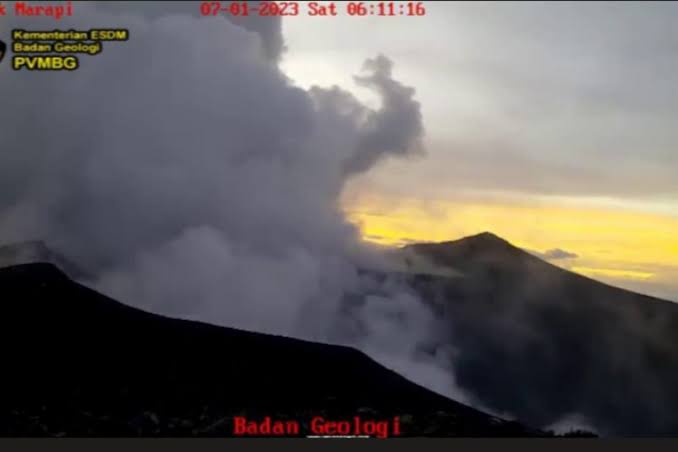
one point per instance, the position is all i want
(186, 172)
(268, 28)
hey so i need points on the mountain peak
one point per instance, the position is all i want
(23, 253)
(485, 242)
(480, 249)
(485, 237)
(34, 252)
(486, 234)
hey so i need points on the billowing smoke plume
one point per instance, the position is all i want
(187, 173)
(268, 28)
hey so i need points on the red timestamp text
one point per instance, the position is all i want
(244, 8)
(282, 8)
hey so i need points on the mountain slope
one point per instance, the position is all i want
(582, 347)
(37, 251)
(77, 363)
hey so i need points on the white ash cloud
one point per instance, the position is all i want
(187, 173)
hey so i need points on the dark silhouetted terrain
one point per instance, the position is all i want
(76, 363)
(543, 343)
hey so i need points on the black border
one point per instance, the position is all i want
(449, 445)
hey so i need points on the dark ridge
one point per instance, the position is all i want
(36, 251)
(77, 363)
(487, 253)
(482, 239)
(577, 346)
(473, 251)
(13, 253)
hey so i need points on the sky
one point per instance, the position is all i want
(551, 125)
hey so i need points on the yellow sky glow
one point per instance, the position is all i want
(624, 274)
(610, 244)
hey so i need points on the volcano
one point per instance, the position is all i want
(37, 251)
(574, 346)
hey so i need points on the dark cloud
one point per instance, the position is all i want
(395, 129)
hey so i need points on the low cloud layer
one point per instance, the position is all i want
(556, 254)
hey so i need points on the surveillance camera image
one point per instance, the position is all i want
(338, 219)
